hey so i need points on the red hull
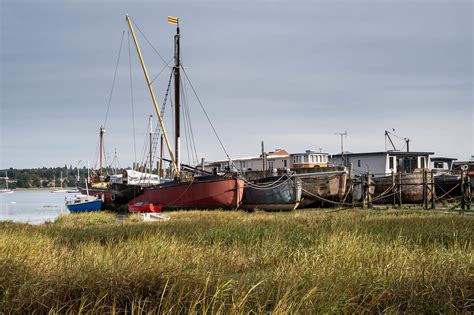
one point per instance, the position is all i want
(210, 194)
(143, 207)
(107, 194)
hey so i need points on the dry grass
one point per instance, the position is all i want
(235, 262)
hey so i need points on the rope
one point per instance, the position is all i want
(156, 51)
(131, 97)
(207, 116)
(446, 193)
(113, 81)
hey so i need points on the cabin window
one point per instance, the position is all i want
(294, 158)
(438, 164)
(390, 163)
(306, 159)
(284, 163)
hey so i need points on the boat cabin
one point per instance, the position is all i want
(442, 164)
(309, 159)
(383, 163)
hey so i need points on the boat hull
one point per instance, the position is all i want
(411, 187)
(104, 194)
(203, 194)
(284, 194)
(330, 187)
(90, 206)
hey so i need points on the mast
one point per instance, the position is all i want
(176, 73)
(160, 168)
(150, 88)
(102, 130)
(151, 135)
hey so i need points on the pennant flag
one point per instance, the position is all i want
(173, 20)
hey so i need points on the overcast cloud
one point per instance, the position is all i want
(291, 73)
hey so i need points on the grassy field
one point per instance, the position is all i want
(236, 262)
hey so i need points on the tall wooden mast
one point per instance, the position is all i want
(150, 88)
(176, 70)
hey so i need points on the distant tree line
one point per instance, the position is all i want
(42, 177)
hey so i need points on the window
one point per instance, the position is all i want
(438, 164)
(294, 158)
(390, 163)
(422, 162)
(271, 165)
(284, 163)
(358, 163)
(306, 158)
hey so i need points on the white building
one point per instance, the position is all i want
(384, 163)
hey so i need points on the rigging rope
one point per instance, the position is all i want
(156, 51)
(131, 97)
(207, 116)
(113, 81)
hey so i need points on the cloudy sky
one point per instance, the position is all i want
(291, 73)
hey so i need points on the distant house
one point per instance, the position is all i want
(275, 160)
(385, 162)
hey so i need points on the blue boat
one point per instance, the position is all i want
(84, 203)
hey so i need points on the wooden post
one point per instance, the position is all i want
(400, 189)
(463, 200)
(351, 187)
(425, 190)
(393, 190)
(369, 194)
(433, 194)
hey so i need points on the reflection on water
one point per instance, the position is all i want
(32, 206)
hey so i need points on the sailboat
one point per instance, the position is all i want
(59, 190)
(208, 191)
(6, 190)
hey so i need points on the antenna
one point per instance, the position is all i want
(342, 135)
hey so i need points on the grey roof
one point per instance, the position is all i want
(444, 159)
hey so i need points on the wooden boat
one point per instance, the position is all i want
(411, 188)
(321, 185)
(272, 193)
(204, 192)
(84, 203)
(448, 185)
(208, 192)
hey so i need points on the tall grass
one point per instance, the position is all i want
(234, 262)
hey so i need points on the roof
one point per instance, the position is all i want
(399, 153)
(444, 159)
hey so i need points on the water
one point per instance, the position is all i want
(32, 206)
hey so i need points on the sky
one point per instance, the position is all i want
(289, 73)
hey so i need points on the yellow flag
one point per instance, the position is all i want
(173, 20)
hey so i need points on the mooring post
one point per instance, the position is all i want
(400, 189)
(364, 191)
(425, 190)
(394, 190)
(463, 193)
(433, 194)
(369, 194)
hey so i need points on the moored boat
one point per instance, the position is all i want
(204, 192)
(84, 203)
(272, 193)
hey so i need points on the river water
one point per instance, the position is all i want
(32, 206)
